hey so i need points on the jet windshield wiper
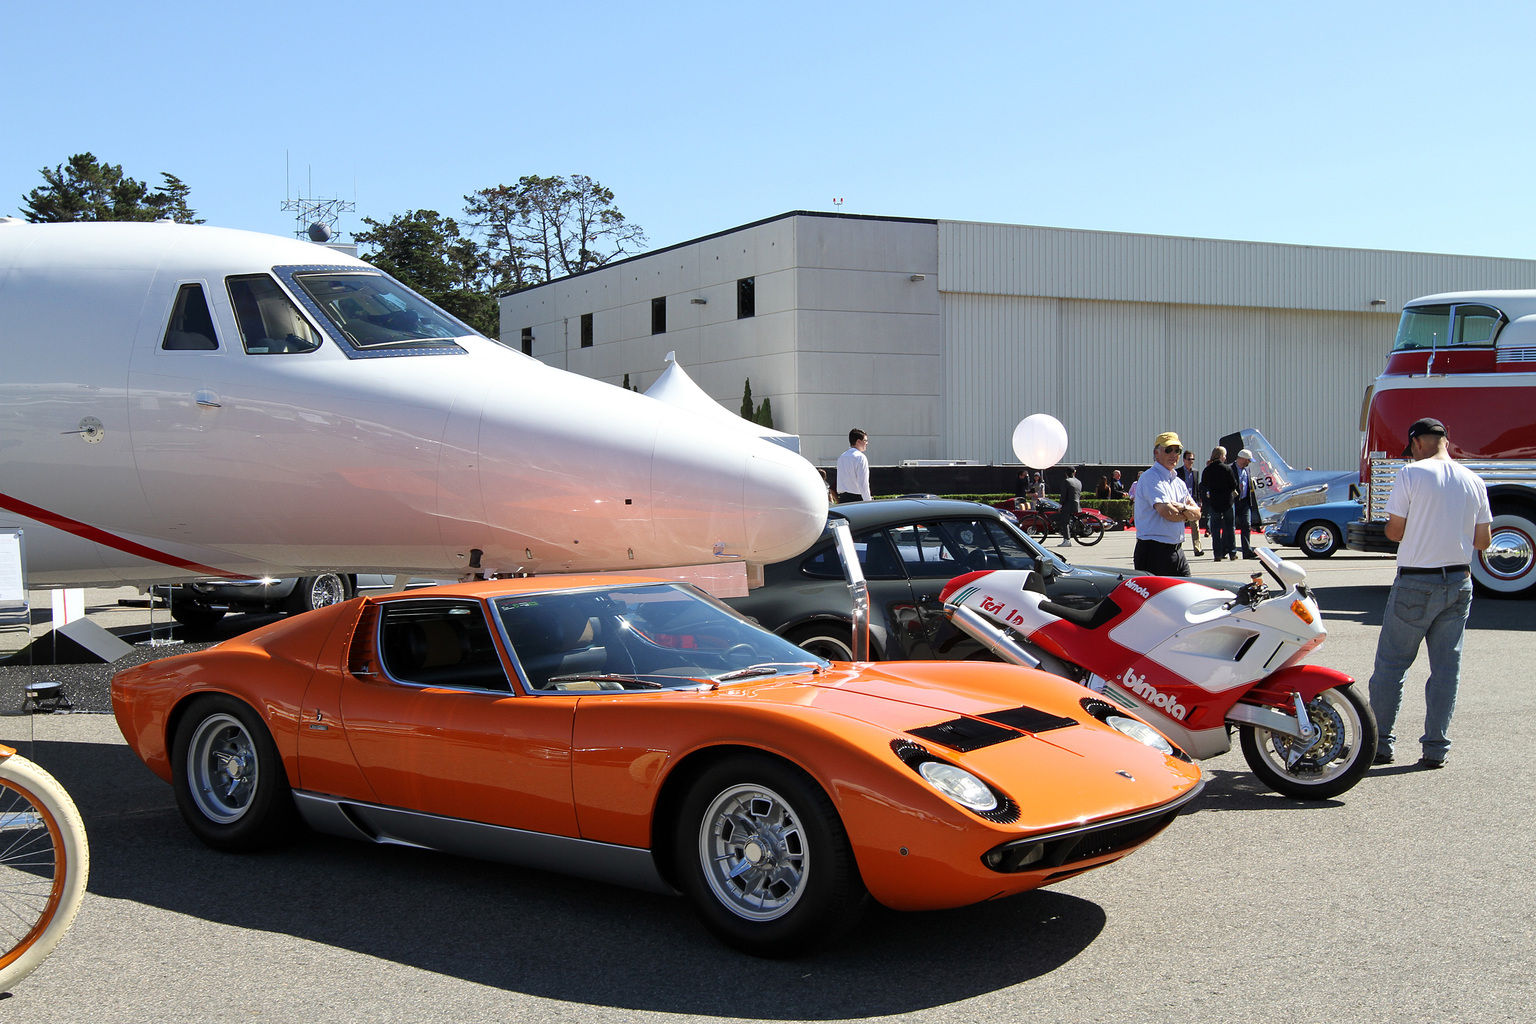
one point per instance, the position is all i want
(767, 668)
(606, 677)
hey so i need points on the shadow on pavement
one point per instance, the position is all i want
(1365, 605)
(1242, 791)
(544, 934)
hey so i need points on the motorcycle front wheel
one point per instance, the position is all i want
(1339, 759)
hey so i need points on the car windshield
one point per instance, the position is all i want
(644, 637)
(374, 311)
(1436, 327)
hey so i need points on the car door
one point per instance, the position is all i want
(893, 611)
(435, 724)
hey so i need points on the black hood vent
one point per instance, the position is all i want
(966, 734)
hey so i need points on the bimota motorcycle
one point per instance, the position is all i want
(1193, 662)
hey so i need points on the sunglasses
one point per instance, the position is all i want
(1173, 449)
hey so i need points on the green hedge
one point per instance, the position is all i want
(1122, 509)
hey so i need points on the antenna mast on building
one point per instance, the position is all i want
(315, 219)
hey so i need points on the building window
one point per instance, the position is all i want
(527, 341)
(586, 330)
(746, 301)
(659, 315)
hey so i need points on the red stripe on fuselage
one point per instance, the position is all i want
(85, 531)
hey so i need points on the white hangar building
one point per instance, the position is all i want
(938, 336)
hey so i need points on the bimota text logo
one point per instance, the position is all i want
(1138, 685)
(1138, 588)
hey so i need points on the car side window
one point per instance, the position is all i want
(926, 553)
(876, 558)
(191, 325)
(1011, 551)
(440, 643)
(269, 321)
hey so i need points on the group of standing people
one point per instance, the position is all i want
(1172, 496)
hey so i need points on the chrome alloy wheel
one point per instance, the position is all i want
(754, 852)
(326, 590)
(222, 768)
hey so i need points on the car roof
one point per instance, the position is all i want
(869, 513)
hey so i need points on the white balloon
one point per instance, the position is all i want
(1040, 441)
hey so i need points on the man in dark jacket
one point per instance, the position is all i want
(1191, 477)
(1245, 507)
(1071, 504)
(1217, 489)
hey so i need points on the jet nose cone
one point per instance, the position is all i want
(785, 503)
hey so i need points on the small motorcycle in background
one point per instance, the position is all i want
(1195, 663)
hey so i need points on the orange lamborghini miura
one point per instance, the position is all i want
(640, 732)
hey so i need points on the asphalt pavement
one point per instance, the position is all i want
(1407, 899)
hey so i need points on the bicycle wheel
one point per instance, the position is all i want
(1087, 529)
(44, 861)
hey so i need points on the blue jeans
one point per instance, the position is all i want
(1432, 609)
(1222, 543)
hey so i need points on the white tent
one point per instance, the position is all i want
(676, 388)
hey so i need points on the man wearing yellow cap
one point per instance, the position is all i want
(1163, 507)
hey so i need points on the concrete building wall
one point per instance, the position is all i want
(939, 336)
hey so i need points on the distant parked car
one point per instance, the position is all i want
(201, 604)
(908, 549)
(1319, 530)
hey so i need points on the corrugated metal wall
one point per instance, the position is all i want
(1118, 373)
(1011, 259)
(1123, 336)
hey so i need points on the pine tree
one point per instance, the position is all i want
(748, 412)
(765, 413)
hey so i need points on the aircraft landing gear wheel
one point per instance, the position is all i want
(228, 777)
(1339, 759)
(763, 858)
(194, 614)
(44, 863)
(1318, 539)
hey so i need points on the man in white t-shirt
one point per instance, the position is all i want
(853, 469)
(1439, 515)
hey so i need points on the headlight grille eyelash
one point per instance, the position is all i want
(914, 754)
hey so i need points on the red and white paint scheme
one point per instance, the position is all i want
(1191, 661)
(183, 401)
(1469, 360)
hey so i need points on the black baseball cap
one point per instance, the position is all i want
(1427, 425)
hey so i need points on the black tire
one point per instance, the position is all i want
(1087, 529)
(193, 614)
(229, 780)
(1508, 567)
(1338, 760)
(311, 592)
(830, 640)
(796, 885)
(1038, 527)
(1318, 539)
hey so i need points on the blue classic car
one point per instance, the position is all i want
(1319, 530)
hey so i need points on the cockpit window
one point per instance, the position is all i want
(191, 325)
(269, 321)
(1447, 327)
(374, 311)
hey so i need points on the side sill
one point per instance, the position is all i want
(628, 866)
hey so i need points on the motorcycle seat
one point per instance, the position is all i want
(1086, 618)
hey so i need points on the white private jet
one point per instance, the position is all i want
(180, 402)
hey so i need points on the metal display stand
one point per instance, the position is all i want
(15, 617)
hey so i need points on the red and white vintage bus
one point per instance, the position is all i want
(1469, 360)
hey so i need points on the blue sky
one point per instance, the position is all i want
(1371, 125)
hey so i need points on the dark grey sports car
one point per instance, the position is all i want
(909, 549)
